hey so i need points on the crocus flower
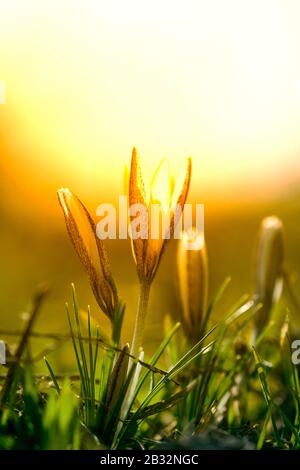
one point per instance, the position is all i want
(192, 272)
(147, 251)
(163, 193)
(269, 268)
(91, 251)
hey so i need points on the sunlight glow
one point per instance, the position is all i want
(88, 80)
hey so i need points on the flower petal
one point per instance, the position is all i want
(182, 184)
(179, 197)
(138, 194)
(161, 185)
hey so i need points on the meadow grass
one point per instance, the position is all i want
(226, 383)
(222, 391)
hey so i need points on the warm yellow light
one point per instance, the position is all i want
(87, 80)
(193, 240)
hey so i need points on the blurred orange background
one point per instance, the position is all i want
(87, 80)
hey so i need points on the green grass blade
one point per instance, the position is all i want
(52, 375)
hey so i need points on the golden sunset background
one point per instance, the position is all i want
(87, 80)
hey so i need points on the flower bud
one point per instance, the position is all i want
(193, 282)
(91, 251)
(269, 268)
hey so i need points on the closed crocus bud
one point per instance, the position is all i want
(269, 268)
(91, 251)
(193, 282)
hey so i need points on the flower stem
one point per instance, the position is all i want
(140, 317)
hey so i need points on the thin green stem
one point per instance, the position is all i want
(140, 317)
